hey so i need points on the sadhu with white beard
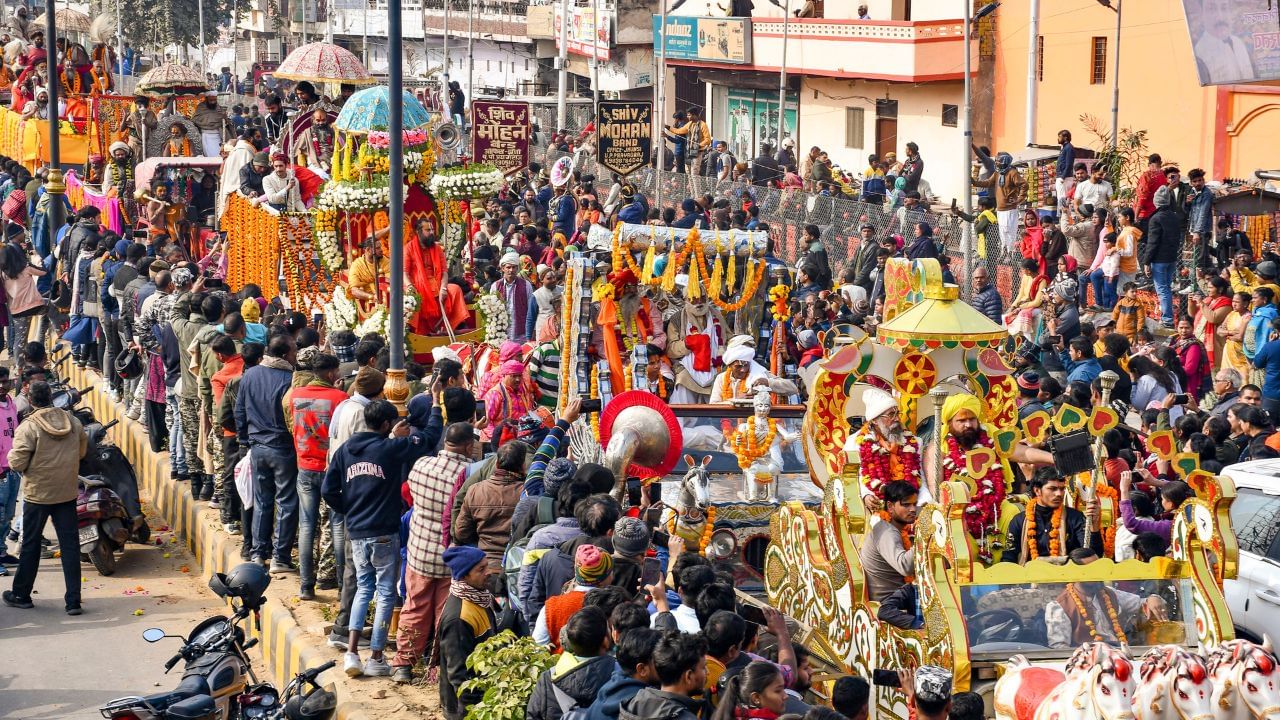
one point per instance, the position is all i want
(884, 449)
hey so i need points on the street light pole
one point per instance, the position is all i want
(204, 59)
(1115, 87)
(966, 236)
(444, 67)
(595, 52)
(471, 51)
(53, 183)
(660, 84)
(397, 390)
(1033, 85)
(782, 74)
(561, 109)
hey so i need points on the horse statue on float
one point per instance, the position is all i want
(1098, 684)
(1246, 681)
(1173, 684)
(691, 514)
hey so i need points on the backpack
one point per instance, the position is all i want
(569, 708)
(517, 555)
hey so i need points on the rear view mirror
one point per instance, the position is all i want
(153, 635)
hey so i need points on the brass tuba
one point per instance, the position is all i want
(447, 136)
(641, 431)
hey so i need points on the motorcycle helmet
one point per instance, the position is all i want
(317, 704)
(247, 581)
(129, 365)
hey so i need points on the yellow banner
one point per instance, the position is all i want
(27, 141)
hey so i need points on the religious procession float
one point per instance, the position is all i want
(990, 596)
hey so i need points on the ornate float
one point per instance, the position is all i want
(973, 612)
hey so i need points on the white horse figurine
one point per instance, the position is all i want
(1098, 685)
(1173, 684)
(1246, 681)
(694, 500)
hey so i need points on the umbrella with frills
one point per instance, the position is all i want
(323, 62)
(172, 79)
(370, 109)
(68, 21)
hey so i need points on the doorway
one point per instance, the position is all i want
(886, 127)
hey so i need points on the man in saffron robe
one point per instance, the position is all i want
(425, 264)
(367, 274)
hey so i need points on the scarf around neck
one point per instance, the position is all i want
(463, 591)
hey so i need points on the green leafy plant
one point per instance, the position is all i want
(507, 670)
(1126, 163)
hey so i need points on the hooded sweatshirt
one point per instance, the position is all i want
(363, 481)
(620, 688)
(47, 449)
(655, 704)
(579, 678)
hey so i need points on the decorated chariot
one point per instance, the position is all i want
(973, 614)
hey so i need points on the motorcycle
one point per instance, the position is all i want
(218, 682)
(102, 523)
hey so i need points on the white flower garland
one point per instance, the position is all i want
(340, 312)
(330, 253)
(473, 181)
(454, 234)
(375, 323)
(497, 321)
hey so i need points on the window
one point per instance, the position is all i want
(854, 118)
(1040, 58)
(1098, 67)
(1254, 517)
(887, 109)
(950, 115)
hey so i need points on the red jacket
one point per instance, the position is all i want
(1144, 204)
(313, 407)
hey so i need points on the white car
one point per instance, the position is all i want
(1254, 596)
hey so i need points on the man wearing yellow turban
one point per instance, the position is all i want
(963, 431)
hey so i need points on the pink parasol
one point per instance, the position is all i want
(323, 62)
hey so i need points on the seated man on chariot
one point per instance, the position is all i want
(888, 559)
(368, 273)
(1048, 528)
(742, 374)
(885, 451)
(1092, 612)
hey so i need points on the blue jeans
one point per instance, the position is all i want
(275, 485)
(177, 450)
(1104, 290)
(308, 513)
(1162, 276)
(376, 561)
(10, 483)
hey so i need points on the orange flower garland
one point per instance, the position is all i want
(566, 348)
(728, 391)
(1111, 615)
(707, 530)
(253, 244)
(1108, 533)
(1055, 543)
(748, 448)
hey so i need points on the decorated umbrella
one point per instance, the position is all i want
(68, 21)
(370, 110)
(323, 62)
(172, 79)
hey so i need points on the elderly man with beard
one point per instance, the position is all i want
(425, 265)
(139, 123)
(518, 295)
(315, 144)
(962, 432)
(213, 124)
(885, 452)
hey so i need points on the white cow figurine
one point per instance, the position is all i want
(1246, 681)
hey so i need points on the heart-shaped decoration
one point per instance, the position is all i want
(979, 461)
(1102, 420)
(1004, 440)
(1068, 419)
(1186, 463)
(1035, 427)
(1205, 485)
(1163, 444)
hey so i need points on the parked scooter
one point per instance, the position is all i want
(103, 524)
(217, 672)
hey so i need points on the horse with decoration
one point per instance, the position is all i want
(1246, 680)
(1098, 684)
(1173, 684)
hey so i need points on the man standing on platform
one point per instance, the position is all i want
(429, 274)
(518, 294)
(213, 124)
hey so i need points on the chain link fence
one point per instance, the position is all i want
(838, 219)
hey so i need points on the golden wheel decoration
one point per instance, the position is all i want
(915, 374)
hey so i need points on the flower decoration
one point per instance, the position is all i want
(497, 321)
(340, 312)
(471, 181)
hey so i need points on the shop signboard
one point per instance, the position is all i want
(589, 34)
(704, 39)
(500, 134)
(625, 132)
(1234, 41)
(752, 117)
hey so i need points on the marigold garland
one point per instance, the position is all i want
(875, 462)
(727, 389)
(707, 530)
(566, 347)
(253, 244)
(1111, 615)
(1103, 490)
(983, 512)
(747, 447)
(1055, 531)
(595, 395)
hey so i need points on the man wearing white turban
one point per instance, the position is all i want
(518, 294)
(239, 157)
(742, 374)
(883, 449)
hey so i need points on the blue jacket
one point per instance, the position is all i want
(1259, 329)
(363, 481)
(565, 218)
(635, 212)
(1200, 214)
(1268, 360)
(1084, 370)
(260, 409)
(620, 688)
(988, 302)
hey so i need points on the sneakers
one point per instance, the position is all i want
(339, 641)
(14, 601)
(74, 610)
(376, 667)
(7, 559)
(215, 503)
(351, 665)
(307, 593)
(282, 567)
(327, 584)
(402, 675)
(232, 528)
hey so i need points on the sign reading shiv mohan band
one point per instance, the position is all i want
(500, 134)
(1234, 41)
(625, 133)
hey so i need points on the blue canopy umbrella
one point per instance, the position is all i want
(370, 110)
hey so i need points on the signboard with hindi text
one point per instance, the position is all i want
(1234, 41)
(625, 134)
(500, 134)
